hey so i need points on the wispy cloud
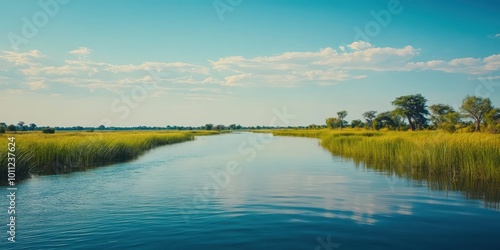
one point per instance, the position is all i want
(232, 80)
(473, 66)
(20, 59)
(488, 77)
(326, 66)
(32, 71)
(360, 45)
(81, 51)
(494, 36)
(34, 85)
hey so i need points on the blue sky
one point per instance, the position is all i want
(128, 63)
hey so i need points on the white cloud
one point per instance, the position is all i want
(325, 66)
(212, 80)
(57, 70)
(225, 63)
(473, 66)
(494, 36)
(491, 77)
(329, 66)
(469, 61)
(128, 81)
(360, 45)
(83, 51)
(232, 80)
(21, 59)
(34, 85)
(157, 67)
(211, 90)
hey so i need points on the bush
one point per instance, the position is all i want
(2, 130)
(494, 129)
(448, 127)
(48, 130)
(11, 128)
(404, 128)
(471, 128)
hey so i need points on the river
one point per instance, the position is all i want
(243, 191)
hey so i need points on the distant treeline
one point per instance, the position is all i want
(21, 126)
(411, 113)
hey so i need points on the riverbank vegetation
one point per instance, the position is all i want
(460, 161)
(64, 152)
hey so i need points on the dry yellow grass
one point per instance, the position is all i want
(64, 152)
(467, 162)
(473, 156)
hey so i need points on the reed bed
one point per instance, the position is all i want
(65, 152)
(472, 156)
(466, 162)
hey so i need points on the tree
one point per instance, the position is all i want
(209, 126)
(3, 126)
(369, 116)
(341, 115)
(476, 108)
(219, 127)
(357, 124)
(492, 120)
(32, 126)
(332, 122)
(414, 108)
(20, 125)
(444, 117)
(48, 130)
(384, 120)
(313, 126)
(101, 127)
(12, 128)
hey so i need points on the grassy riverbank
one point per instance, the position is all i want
(470, 157)
(64, 152)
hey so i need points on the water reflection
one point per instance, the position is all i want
(291, 194)
(486, 191)
(307, 187)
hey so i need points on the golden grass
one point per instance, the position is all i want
(64, 152)
(474, 156)
(468, 162)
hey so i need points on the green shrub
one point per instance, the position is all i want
(48, 130)
(11, 128)
(448, 127)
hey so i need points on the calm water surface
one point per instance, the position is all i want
(288, 193)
